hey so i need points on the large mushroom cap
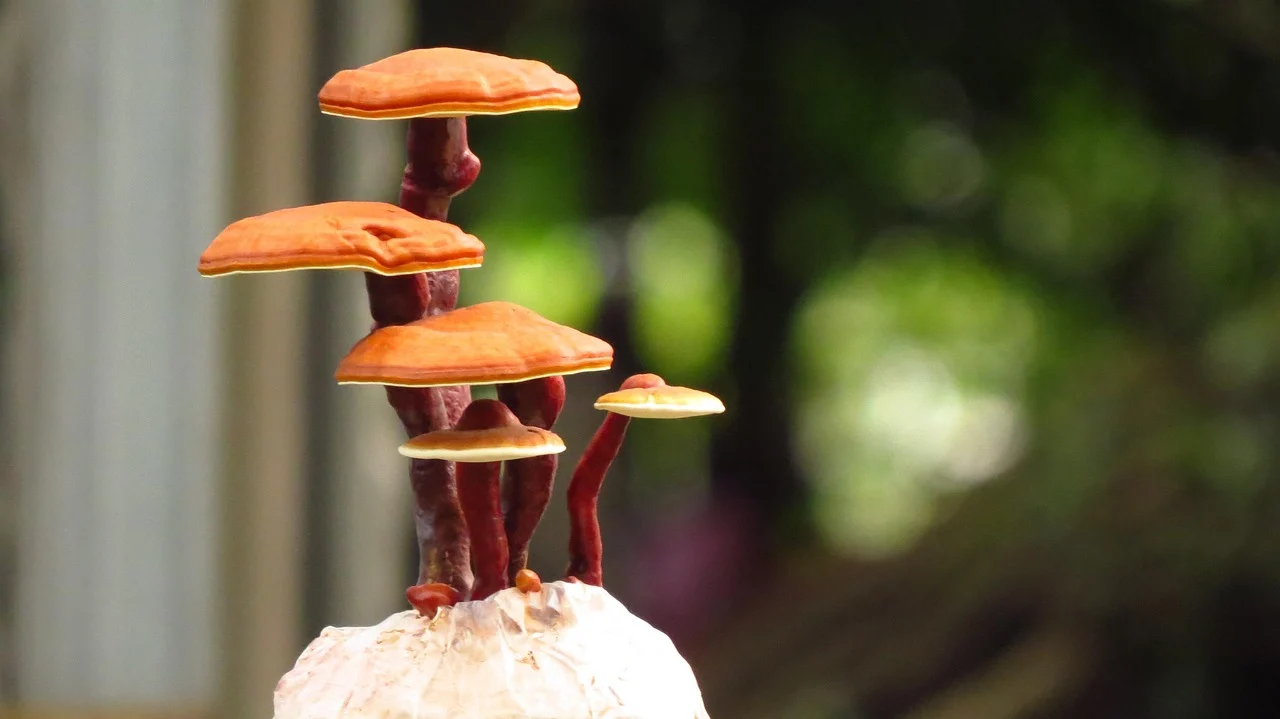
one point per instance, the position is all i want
(488, 343)
(662, 402)
(446, 82)
(372, 236)
(569, 651)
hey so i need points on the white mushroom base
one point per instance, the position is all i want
(570, 651)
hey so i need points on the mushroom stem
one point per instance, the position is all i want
(586, 548)
(444, 554)
(440, 165)
(527, 492)
(481, 498)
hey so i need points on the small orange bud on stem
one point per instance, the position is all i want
(528, 581)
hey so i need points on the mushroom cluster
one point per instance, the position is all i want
(485, 638)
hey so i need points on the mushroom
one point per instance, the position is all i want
(565, 651)
(372, 236)
(562, 649)
(446, 82)
(429, 598)
(435, 89)
(488, 343)
(641, 395)
(486, 435)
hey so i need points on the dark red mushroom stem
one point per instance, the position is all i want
(481, 496)
(440, 166)
(586, 549)
(527, 492)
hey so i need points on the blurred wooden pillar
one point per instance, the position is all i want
(110, 402)
(264, 322)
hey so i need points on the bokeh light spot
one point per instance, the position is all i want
(911, 366)
(683, 273)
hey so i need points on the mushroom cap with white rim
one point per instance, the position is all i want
(569, 651)
(446, 82)
(662, 402)
(487, 343)
(497, 444)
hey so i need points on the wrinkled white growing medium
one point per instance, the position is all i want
(570, 651)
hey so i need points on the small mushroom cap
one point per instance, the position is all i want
(500, 444)
(487, 431)
(662, 402)
(569, 651)
(446, 82)
(373, 236)
(488, 343)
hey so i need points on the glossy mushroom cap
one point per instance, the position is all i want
(660, 402)
(488, 343)
(487, 431)
(446, 82)
(569, 651)
(372, 236)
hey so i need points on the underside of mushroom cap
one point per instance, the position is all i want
(372, 236)
(662, 402)
(488, 343)
(568, 651)
(446, 82)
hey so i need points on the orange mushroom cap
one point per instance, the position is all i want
(446, 82)
(488, 343)
(373, 236)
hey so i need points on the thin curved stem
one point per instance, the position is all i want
(527, 491)
(440, 165)
(586, 548)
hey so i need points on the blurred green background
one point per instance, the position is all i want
(992, 293)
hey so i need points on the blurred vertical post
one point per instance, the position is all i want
(364, 519)
(266, 404)
(112, 404)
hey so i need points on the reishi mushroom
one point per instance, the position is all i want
(446, 82)
(486, 435)
(641, 395)
(372, 236)
(563, 650)
(488, 343)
